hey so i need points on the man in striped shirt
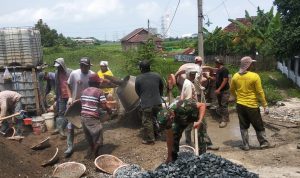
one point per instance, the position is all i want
(94, 111)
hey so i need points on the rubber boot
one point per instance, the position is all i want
(70, 141)
(245, 138)
(61, 124)
(262, 139)
(96, 150)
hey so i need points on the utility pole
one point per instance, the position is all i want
(200, 29)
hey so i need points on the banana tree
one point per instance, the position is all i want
(256, 36)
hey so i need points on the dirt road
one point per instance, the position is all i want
(122, 139)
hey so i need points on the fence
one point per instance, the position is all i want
(262, 63)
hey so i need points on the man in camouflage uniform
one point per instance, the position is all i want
(175, 119)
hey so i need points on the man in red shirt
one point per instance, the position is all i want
(94, 111)
(61, 77)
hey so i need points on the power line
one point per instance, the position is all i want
(215, 8)
(252, 3)
(172, 18)
(226, 10)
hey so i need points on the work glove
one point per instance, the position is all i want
(266, 110)
(70, 101)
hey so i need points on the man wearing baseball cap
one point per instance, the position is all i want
(222, 92)
(246, 87)
(77, 82)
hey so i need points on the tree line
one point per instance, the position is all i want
(268, 34)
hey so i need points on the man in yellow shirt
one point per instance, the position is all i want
(104, 70)
(246, 87)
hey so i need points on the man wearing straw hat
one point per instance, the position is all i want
(246, 87)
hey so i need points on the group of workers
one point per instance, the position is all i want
(189, 109)
(184, 113)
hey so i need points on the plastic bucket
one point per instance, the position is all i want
(27, 121)
(49, 120)
(38, 125)
(37, 130)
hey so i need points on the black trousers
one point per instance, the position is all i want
(249, 116)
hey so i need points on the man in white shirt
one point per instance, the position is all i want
(77, 82)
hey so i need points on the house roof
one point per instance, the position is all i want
(131, 34)
(135, 37)
(232, 27)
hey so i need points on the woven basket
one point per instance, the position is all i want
(108, 163)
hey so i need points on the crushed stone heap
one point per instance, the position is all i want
(189, 165)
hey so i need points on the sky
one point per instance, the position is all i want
(113, 19)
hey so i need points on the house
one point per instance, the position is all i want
(291, 68)
(232, 27)
(137, 37)
(88, 41)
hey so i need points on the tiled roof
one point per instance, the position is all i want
(135, 37)
(233, 27)
(130, 35)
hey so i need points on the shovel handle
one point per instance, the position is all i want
(7, 117)
(196, 142)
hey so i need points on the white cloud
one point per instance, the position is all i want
(78, 10)
(149, 10)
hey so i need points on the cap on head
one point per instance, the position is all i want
(219, 61)
(103, 63)
(59, 62)
(85, 61)
(245, 64)
(94, 78)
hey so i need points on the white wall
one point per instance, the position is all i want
(284, 67)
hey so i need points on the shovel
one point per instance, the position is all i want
(10, 116)
(196, 142)
(73, 113)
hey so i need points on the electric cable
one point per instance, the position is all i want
(172, 18)
(226, 10)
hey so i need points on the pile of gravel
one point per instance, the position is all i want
(189, 166)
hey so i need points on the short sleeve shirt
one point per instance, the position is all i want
(91, 100)
(220, 75)
(78, 82)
